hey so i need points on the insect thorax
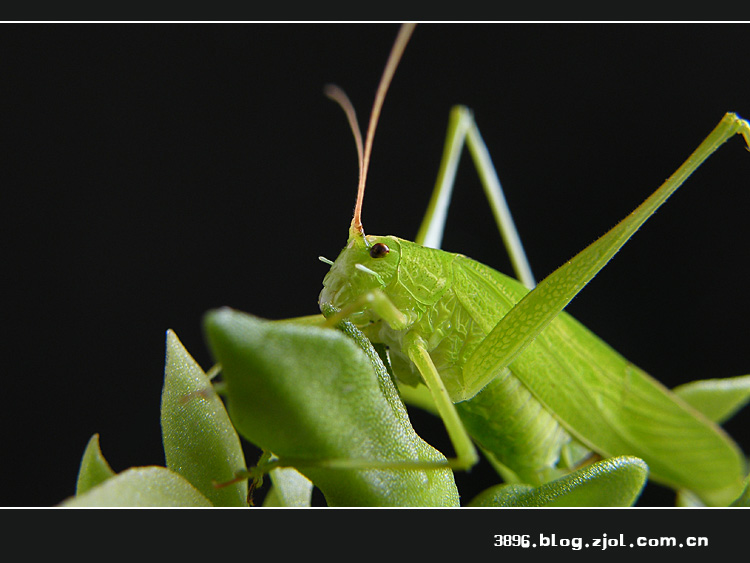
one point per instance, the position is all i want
(452, 303)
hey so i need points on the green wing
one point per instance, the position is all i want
(614, 407)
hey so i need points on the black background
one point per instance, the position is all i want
(151, 172)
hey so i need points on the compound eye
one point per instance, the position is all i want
(378, 250)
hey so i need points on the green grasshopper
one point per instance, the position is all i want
(505, 367)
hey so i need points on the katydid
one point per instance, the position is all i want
(506, 368)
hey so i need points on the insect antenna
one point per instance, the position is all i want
(338, 95)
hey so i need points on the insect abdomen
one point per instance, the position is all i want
(507, 421)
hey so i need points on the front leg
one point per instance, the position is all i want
(378, 302)
(466, 454)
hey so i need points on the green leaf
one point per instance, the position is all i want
(744, 499)
(200, 442)
(94, 468)
(315, 400)
(290, 488)
(141, 487)
(718, 399)
(616, 481)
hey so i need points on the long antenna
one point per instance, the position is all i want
(398, 49)
(338, 95)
